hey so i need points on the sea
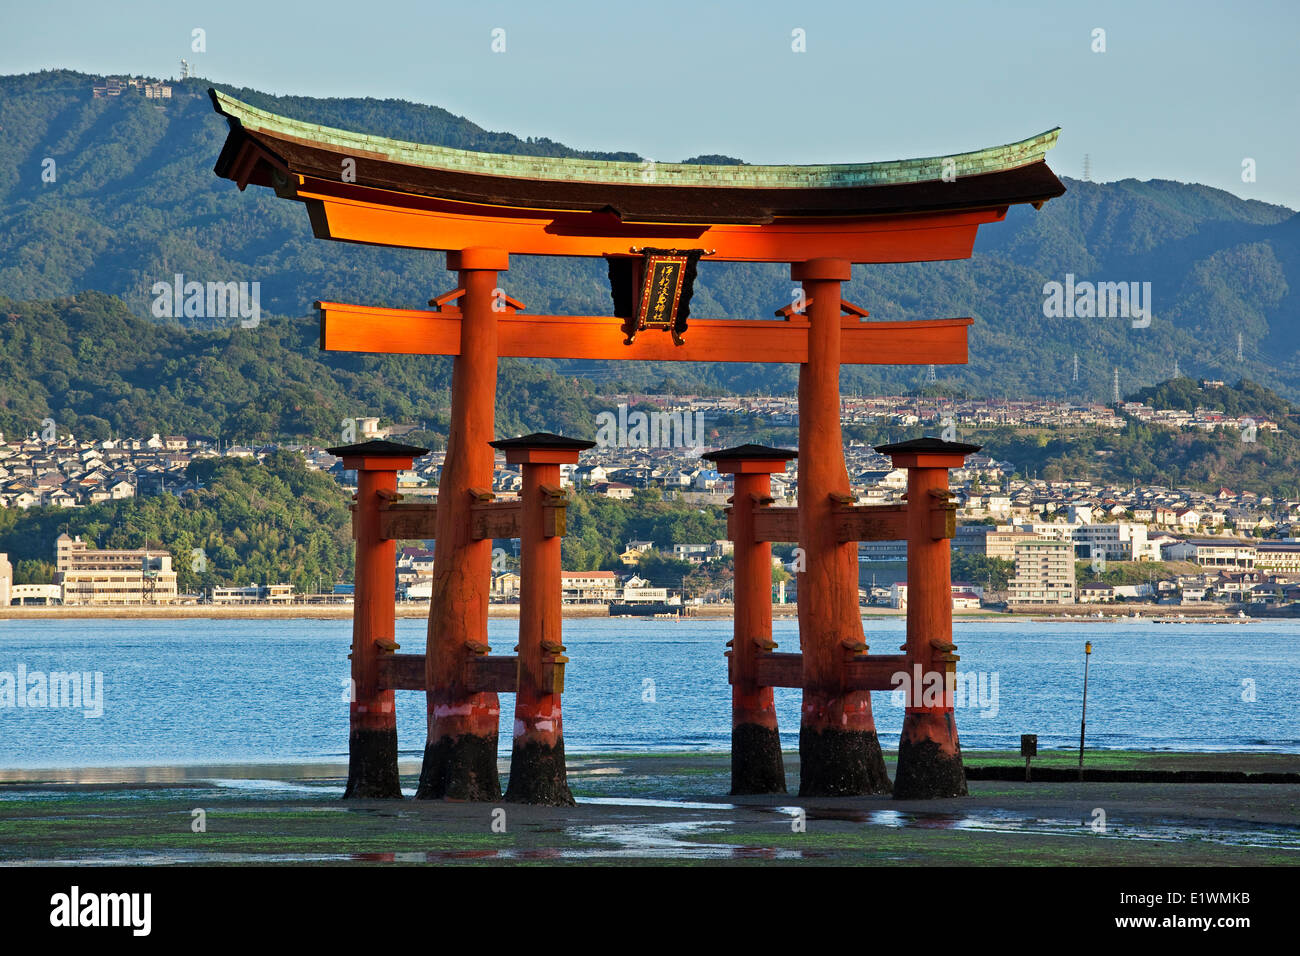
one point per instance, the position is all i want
(200, 692)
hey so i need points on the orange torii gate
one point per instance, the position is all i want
(652, 223)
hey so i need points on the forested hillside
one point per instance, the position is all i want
(135, 201)
(98, 370)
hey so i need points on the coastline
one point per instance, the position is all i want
(343, 612)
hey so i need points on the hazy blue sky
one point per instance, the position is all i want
(1183, 91)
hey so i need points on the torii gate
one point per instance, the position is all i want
(652, 223)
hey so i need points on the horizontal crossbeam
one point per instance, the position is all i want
(488, 672)
(418, 520)
(852, 523)
(863, 672)
(360, 328)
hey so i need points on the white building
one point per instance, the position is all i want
(588, 587)
(1211, 553)
(1044, 573)
(1115, 541)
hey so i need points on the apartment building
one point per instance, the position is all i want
(1002, 541)
(1278, 556)
(104, 576)
(588, 587)
(254, 594)
(1044, 573)
(1115, 541)
(1212, 553)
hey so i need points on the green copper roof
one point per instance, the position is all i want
(991, 160)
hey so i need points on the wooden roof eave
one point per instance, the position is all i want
(895, 222)
(359, 214)
(657, 205)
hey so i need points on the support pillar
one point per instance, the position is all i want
(756, 762)
(537, 770)
(372, 733)
(460, 757)
(839, 753)
(929, 753)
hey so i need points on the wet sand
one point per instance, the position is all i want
(655, 809)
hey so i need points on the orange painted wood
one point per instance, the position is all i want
(359, 328)
(538, 718)
(373, 614)
(751, 702)
(929, 571)
(396, 219)
(829, 619)
(459, 713)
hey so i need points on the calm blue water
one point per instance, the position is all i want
(234, 691)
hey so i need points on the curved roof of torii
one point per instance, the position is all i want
(266, 149)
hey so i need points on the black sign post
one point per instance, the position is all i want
(1028, 750)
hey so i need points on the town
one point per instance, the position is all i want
(1043, 543)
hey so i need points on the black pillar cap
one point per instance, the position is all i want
(928, 445)
(751, 452)
(543, 440)
(377, 449)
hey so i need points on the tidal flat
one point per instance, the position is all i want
(656, 809)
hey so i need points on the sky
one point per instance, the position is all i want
(1188, 91)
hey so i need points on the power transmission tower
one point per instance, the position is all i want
(1076, 366)
(1116, 386)
(1176, 372)
(1238, 346)
(1087, 168)
(929, 375)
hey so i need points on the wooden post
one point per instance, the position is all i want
(372, 734)
(756, 764)
(929, 754)
(839, 753)
(537, 771)
(460, 757)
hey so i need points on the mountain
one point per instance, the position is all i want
(98, 370)
(134, 201)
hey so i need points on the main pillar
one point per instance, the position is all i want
(839, 753)
(756, 763)
(929, 754)
(460, 757)
(372, 734)
(537, 771)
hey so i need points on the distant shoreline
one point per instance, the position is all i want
(342, 612)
